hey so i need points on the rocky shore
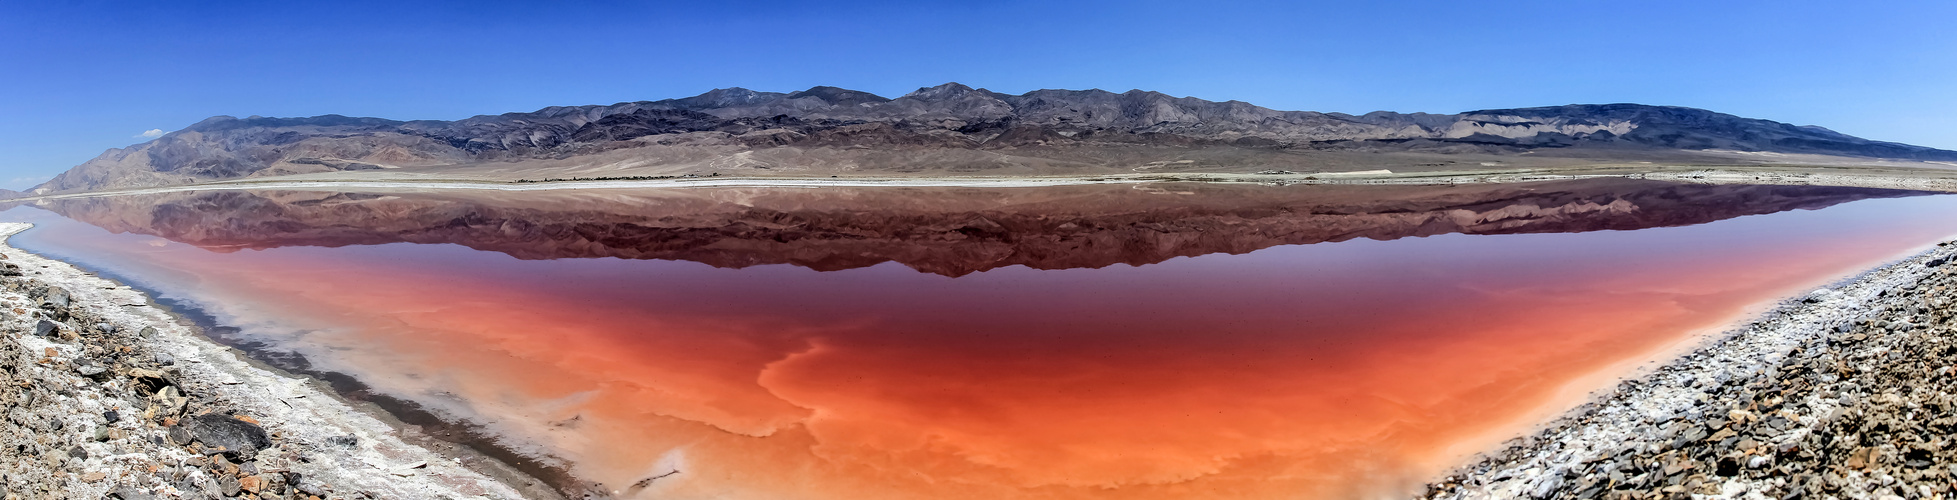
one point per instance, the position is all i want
(1848, 392)
(103, 395)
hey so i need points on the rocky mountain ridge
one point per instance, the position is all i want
(1051, 126)
(946, 232)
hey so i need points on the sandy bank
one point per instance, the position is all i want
(1842, 393)
(106, 394)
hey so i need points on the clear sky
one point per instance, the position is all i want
(78, 77)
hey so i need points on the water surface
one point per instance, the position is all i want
(1175, 341)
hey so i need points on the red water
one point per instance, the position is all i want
(1337, 370)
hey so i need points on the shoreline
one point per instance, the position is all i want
(91, 420)
(1739, 414)
(1905, 179)
(439, 433)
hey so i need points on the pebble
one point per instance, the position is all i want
(89, 368)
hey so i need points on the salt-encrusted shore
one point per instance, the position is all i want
(1846, 392)
(106, 395)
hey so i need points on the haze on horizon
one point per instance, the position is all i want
(88, 76)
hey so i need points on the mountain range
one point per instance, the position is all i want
(949, 129)
(951, 232)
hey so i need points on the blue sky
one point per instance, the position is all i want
(81, 76)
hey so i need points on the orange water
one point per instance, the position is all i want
(1337, 370)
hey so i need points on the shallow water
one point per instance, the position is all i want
(1082, 342)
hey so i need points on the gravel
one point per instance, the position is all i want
(99, 399)
(1847, 392)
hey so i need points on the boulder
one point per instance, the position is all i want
(233, 437)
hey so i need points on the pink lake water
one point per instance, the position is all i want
(1151, 357)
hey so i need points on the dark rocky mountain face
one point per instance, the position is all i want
(943, 231)
(946, 117)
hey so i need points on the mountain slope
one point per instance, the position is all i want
(958, 127)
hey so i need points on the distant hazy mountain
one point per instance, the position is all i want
(833, 129)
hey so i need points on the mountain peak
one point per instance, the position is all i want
(951, 90)
(838, 96)
(727, 97)
(208, 123)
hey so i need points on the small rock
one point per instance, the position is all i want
(105, 328)
(168, 402)
(1758, 462)
(147, 332)
(89, 368)
(101, 433)
(1547, 486)
(252, 483)
(232, 436)
(213, 488)
(228, 486)
(312, 488)
(1819, 295)
(127, 493)
(165, 359)
(347, 441)
(44, 328)
(178, 435)
(78, 452)
(111, 416)
(56, 298)
(298, 482)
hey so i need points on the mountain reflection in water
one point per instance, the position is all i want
(1262, 366)
(944, 231)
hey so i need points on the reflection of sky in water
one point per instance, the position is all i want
(1331, 370)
